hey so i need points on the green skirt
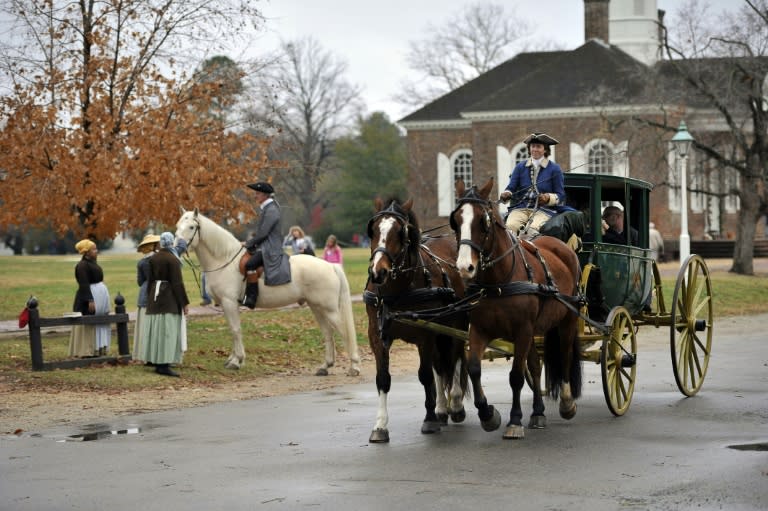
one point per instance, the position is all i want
(161, 338)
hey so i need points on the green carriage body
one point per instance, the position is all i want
(627, 270)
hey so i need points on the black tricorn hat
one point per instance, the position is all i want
(262, 186)
(541, 138)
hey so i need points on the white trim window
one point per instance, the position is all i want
(520, 153)
(449, 170)
(697, 181)
(732, 202)
(600, 156)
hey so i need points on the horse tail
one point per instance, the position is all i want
(555, 369)
(347, 328)
(576, 376)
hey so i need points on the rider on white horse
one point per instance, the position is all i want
(266, 246)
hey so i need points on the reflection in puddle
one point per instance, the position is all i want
(750, 447)
(100, 435)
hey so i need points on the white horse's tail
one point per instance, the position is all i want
(347, 318)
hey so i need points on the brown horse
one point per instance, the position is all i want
(405, 275)
(525, 287)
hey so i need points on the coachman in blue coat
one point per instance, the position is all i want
(535, 191)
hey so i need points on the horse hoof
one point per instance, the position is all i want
(537, 422)
(430, 427)
(568, 413)
(459, 415)
(442, 418)
(232, 365)
(353, 372)
(514, 432)
(379, 436)
(321, 372)
(493, 423)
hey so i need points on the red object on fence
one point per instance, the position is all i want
(24, 318)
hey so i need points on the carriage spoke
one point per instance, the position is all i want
(700, 344)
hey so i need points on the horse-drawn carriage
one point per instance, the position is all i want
(535, 301)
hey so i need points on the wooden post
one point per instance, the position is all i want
(35, 339)
(122, 327)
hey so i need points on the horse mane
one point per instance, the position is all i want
(218, 240)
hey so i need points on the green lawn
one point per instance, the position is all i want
(282, 341)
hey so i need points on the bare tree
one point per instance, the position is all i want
(472, 41)
(307, 102)
(719, 65)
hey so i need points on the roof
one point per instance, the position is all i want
(450, 105)
(571, 78)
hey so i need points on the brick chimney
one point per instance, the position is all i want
(596, 20)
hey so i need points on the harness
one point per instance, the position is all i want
(518, 246)
(395, 305)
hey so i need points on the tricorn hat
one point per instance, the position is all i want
(149, 239)
(541, 138)
(262, 186)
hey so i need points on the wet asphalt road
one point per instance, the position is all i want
(311, 451)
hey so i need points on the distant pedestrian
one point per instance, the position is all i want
(332, 251)
(655, 243)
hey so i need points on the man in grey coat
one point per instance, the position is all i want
(266, 245)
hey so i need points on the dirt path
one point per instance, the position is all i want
(35, 410)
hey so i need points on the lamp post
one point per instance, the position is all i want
(683, 141)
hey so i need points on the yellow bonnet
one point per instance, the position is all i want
(84, 246)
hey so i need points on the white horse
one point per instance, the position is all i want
(321, 285)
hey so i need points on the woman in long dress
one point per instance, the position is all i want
(92, 298)
(148, 247)
(166, 302)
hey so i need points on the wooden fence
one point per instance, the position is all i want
(36, 323)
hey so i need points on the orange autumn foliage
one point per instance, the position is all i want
(103, 141)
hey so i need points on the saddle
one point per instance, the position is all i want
(253, 276)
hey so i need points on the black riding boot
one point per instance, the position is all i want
(165, 369)
(251, 294)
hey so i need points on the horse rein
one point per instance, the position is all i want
(397, 261)
(189, 243)
(486, 262)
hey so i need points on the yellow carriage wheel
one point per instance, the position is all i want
(691, 325)
(618, 361)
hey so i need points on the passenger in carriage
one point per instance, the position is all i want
(535, 190)
(615, 232)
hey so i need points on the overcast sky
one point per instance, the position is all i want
(372, 36)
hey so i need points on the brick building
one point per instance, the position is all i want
(586, 98)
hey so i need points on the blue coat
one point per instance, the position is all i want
(550, 180)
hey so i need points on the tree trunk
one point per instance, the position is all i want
(749, 214)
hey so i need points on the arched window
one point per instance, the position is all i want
(600, 158)
(461, 164)
(521, 154)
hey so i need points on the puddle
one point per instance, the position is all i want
(750, 447)
(89, 436)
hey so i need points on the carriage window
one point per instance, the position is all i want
(600, 158)
(462, 167)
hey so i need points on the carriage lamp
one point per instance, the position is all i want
(682, 142)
